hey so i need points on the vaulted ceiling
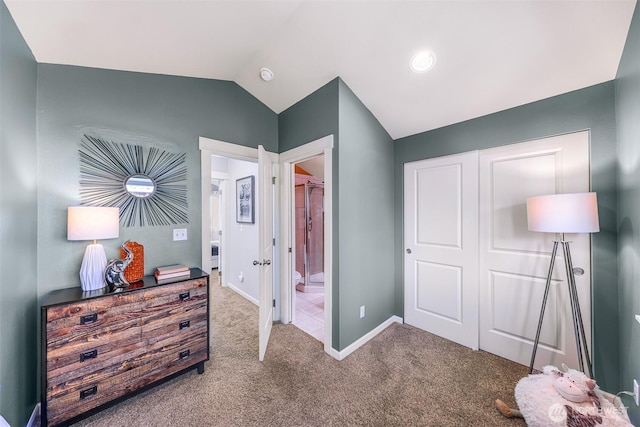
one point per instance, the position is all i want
(491, 54)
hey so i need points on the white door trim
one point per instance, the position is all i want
(287, 159)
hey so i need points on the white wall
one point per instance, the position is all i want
(242, 239)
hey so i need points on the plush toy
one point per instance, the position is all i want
(566, 397)
(572, 387)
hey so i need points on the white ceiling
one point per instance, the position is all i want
(491, 54)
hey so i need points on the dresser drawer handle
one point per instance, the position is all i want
(185, 296)
(89, 355)
(185, 324)
(88, 392)
(89, 318)
(184, 354)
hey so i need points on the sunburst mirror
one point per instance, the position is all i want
(146, 183)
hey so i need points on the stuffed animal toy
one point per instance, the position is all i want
(572, 387)
(566, 397)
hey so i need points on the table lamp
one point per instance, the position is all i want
(564, 213)
(93, 223)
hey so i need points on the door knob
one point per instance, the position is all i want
(408, 250)
(255, 262)
(266, 262)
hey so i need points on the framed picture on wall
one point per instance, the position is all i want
(245, 200)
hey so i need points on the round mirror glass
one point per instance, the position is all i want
(140, 186)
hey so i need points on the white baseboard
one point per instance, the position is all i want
(340, 355)
(242, 293)
(35, 417)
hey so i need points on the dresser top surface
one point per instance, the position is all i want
(64, 296)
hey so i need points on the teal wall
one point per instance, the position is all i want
(366, 220)
(363, 214)
(146, 109)
(18, 166)
(591, 108)
(312, 118)
(627, 89)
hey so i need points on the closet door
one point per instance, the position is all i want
(441, 247)
(514, 261)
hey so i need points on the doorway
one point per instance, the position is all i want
(256, 187)
(289, 263)
(308, 292)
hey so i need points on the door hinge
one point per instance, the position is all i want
(273, 180)
(274, 303)
(274, 241)
(289, 250)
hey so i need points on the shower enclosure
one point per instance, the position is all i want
(311, 224)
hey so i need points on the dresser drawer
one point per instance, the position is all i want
(179, 329)
(91, 349)
(75, 310)
(166, 296)
(104, 314)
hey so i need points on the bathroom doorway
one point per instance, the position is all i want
(308, 292)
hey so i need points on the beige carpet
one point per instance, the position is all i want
(403, 377)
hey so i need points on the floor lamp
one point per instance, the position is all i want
(564, 213)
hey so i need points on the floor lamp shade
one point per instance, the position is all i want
(93, 223)
(563, 213)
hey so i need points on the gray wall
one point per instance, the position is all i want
(366, 220)
(627, 89)
(591, 108)
(363, 214)
(164, 111)
(312, 118)
(18, 288)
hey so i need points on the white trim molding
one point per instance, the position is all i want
(242, 293)
(340, 355)
(227, 149)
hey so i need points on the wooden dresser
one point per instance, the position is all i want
(101, 347)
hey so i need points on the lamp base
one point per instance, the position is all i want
(92, 269)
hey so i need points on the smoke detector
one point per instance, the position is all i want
(266, 74)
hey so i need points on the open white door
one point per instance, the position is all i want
(265, 242)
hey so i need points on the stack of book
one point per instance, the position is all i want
(171, 273)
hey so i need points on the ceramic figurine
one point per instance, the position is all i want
(114, 272)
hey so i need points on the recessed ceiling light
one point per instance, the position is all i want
(423, 61)
(266, 74)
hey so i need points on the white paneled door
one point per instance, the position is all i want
(441, 247)
(514, 262)
(474, 274)
(265, 243)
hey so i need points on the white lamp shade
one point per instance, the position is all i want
(563, 213)
(92, 223)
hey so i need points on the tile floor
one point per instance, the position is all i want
(310, 313)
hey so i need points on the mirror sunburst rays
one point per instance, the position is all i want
(105, 167)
